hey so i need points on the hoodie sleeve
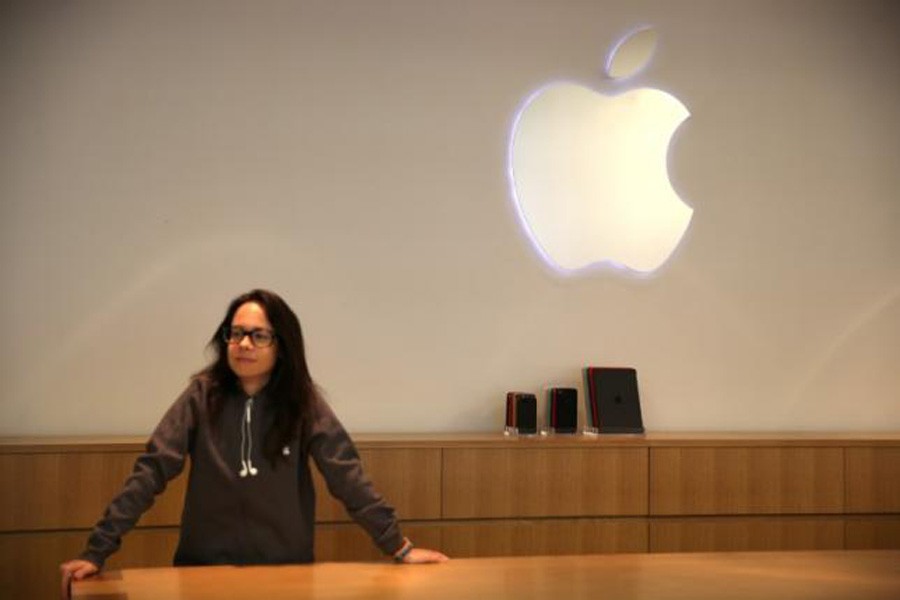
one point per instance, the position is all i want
(337, 459)
(162, 460)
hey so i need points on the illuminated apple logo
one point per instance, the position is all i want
(588, 171)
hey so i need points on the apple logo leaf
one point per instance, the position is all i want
(630, 54)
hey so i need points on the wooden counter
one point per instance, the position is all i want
(861, 575)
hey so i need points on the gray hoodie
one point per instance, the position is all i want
(265, 515)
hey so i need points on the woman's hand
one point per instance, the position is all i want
(75, 569)
(423, 555)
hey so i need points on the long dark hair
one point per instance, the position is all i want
(290, 386)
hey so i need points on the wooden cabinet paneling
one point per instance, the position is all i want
(873, 480)
(489, 495)
(409, 478)
(545, 536)
(69, 490)
(879, 532)
(715, 534)
(751, 480)
(550, 482)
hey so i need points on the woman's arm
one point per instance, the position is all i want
(336, 457)
(162, 460)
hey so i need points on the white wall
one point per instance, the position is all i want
(158, 158)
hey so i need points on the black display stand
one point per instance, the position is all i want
(612, 403)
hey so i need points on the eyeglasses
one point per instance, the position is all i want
(260, 338)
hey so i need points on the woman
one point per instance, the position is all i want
(249, 421)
